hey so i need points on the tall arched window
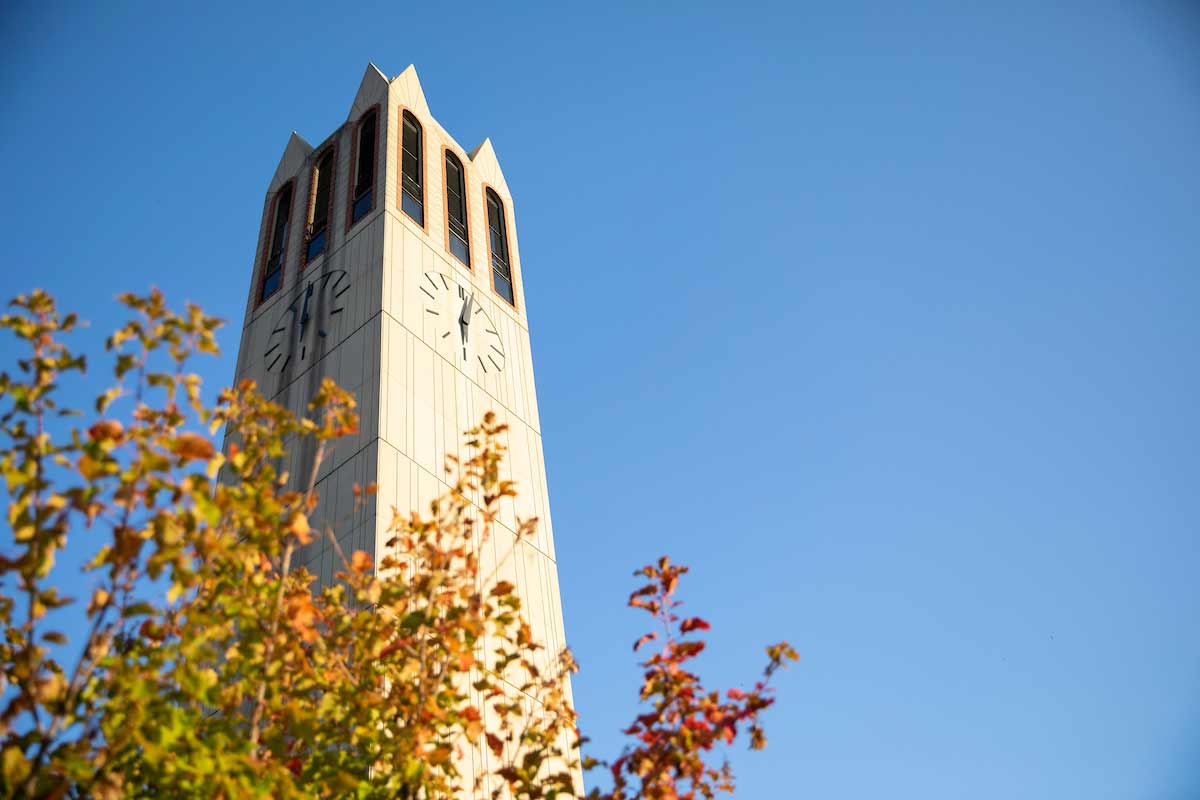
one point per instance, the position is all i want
(363, 169)
(281, 212)
(320, 204)
(412, 169)
(457, 238)
(498, 243)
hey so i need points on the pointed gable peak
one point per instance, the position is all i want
(407, 91)
(294, 154)
(371, 90)
(488, 166)
(486, 144)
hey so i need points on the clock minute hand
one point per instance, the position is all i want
(304, 314)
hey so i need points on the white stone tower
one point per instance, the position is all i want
(388, 260)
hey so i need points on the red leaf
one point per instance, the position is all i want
(694, 624)
(647, 638)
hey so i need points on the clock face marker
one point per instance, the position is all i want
(280, 329)
(337, 310)
(272, 364)
(303, 351)
(342, 292)
(285, 363)
(470, 317)
(272, 349)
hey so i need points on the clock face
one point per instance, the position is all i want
(301, 331)
(461, 329)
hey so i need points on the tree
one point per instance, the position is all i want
(212, 667)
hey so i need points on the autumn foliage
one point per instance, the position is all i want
(210, 666)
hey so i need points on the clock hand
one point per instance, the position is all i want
(464, 318)
(304, 314)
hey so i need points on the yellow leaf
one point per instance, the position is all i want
(99, 600)
(214, 464)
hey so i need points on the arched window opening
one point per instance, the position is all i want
(272, 277)
(364, 167)
(321, 203)
(412, 172)
(456, 209)
(498, 242)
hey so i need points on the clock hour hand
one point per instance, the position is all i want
(464, 318)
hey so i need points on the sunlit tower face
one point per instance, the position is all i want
(388, 260)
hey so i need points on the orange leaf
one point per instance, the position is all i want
(694, 624)
(361, 562)
(298, 527)
(190, 446)
(301, 615)
(497, 746)
(106, 429)
(502, 588)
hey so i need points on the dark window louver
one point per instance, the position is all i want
(456, 209)
(498, 241)
(273, 271)
(412, 173)
(364, 172)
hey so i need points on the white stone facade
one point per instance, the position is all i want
(416, 395)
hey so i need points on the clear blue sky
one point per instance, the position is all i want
(884, 321)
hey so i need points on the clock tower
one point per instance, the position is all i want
(388, 260)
